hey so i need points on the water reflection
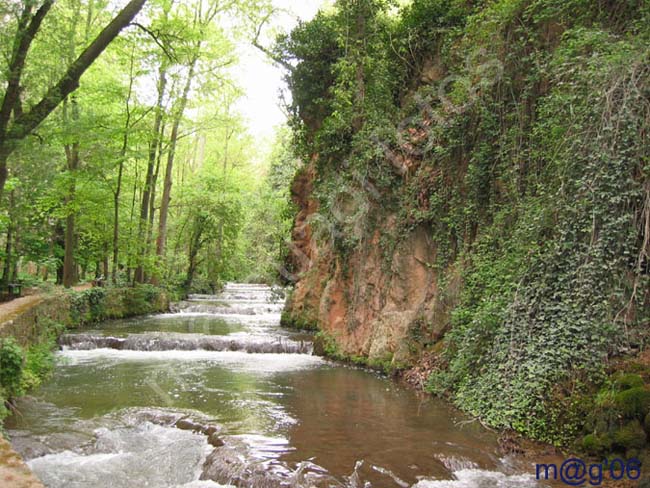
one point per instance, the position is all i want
(346, 415)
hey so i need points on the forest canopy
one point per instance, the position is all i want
(141, 170)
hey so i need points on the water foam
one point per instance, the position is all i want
(477, 478)
(236, 360)
(187, 342)
(147, 455)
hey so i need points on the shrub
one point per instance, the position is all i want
(3, 409)
(325, 345)
(88, 305)
(39, 365)
(140, 299)
(11, 367)
(22, 370)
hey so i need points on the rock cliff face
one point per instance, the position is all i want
(374, 306)
(478, 202)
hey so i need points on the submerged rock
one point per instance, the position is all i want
(215, 441)
(186, 424)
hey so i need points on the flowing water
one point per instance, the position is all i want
(218, 394)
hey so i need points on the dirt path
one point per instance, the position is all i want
(9, 310)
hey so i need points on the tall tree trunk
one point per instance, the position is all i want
(105, 260)
(116, 223)
(195, 247)
(148, 185)
(14, 267)
(72, 157)
(167, 186)
(58, 240)
(152, 197)
(120, 171)
(133, 256)
(6, 271)
(69, 268)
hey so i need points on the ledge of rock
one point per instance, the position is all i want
(14, 472)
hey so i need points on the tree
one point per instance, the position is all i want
(202, 21)
(14, 129)
(159, 180)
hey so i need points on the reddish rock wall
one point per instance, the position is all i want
(370, 303)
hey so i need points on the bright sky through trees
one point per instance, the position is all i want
(260, 78)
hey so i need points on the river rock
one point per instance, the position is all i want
(209, 430)
(187, 424)
(215, 441)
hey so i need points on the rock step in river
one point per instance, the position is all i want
(217, 394)
(185, 342)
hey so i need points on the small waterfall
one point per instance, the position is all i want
(185, 342)
(235, 299)
(259, 304)
(219, 395)
(215, 308)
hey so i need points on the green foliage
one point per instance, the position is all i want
(314, 47)
(597, 444)
(11, 367)
(297, 321)
(22, 370)
(633, 403)
(626, 381)
(631, 436)
(96, 304)
(4, 412)
(325, 344)
(87, 306)
(126, 142)
(262, 251)
(141, 299)
(39, 365)
(527, 160)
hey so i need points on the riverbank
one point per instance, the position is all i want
(29, 328)
(14, 472)
(618, 411)
(27, 319)
(18, 309)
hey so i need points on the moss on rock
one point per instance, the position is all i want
(297, 321)
(627, 381)
(634, 403)
(596, 444)
(630, 436)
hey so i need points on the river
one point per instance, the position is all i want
(143, 403)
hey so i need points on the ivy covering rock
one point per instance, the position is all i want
(479, 181)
